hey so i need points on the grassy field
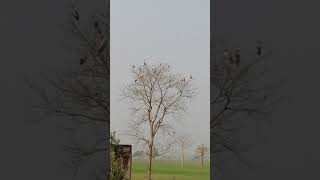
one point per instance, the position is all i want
(171, 169)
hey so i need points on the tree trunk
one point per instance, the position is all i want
(201, 160)
(182, 160)
(150, 160)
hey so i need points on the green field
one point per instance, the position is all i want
(171, 169)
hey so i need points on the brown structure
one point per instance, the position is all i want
(125, 155)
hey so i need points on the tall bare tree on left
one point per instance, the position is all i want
(81, 95)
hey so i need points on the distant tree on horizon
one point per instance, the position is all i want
(184, 142)
(201, 152)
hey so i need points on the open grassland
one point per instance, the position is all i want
(171, 169)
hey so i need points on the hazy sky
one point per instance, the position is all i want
(168, 31)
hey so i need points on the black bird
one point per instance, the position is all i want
(259, 48)
(133, 66)
(190, 76)
(237, 57)
(96, 24)
(135, 80)
(83, 60)
(145, 63)
(76, 15)
(97, 27)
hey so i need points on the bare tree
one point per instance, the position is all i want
(240, 90)
(184, 141)
(156, 94)
(201, 151)
(80, 96)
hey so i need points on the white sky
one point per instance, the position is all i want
(168, 31)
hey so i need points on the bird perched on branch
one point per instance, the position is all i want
(97, 27)
(96, 24)
(83, 60)
(75, 14)
(259, 48)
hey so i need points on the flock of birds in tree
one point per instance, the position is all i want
(154, 71)
(101, 40)
(234, 57)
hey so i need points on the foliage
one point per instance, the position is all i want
(201, 151)
(116, 172)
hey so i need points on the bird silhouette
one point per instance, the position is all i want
(133, 66)
(96, 24)
(76, 15)
(83, 60)
(259, 48)
(135, 80)
(145, 63)
(97, 28)
(190, 76)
